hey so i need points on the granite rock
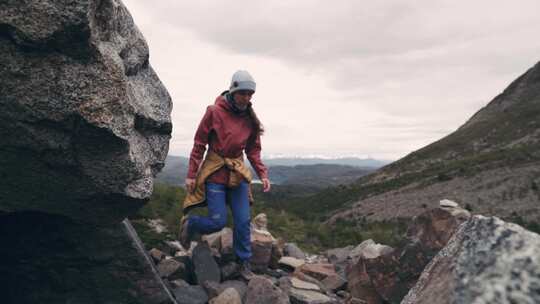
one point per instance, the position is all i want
(486, 261)
(262, 291)
(85, 127)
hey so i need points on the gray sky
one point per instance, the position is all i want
(340, 78)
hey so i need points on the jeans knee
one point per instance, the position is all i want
(218, 222)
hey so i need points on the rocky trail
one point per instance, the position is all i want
(469, 259)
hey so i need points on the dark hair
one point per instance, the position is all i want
(257, 125)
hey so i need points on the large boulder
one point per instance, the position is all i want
(85, 121)
(85, 125)
(204, 264)
(360, 285)
(486, 261)
(382, 274)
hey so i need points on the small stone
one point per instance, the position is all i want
(359, 283)
(307, 278)
(308, 297)
(342, 294)
(260, 222)
(356, 301)
(261, 248)
(179, 283)
(181, 253)
(231, 270)
(239, 286)
(334, 282)
(368, 249)
(229, 296)
(174, 245)
(213, 240)
(214, 289)
(375, 250)
(316, 259)
(171, 269)
(297, 283)
(290, 249)
(263, 291)
(277, 253)
(285, 284)
(191, 294)
(355, 254)
(319, 271)
(290, 262)
(157, 255)
(448, 203)
(227, 250)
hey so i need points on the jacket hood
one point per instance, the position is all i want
(221, 102)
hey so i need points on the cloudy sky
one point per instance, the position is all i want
(340, 78)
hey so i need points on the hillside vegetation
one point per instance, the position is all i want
(290, 225)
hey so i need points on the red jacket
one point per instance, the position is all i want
(228, 134)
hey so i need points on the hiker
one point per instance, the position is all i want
(229, 127)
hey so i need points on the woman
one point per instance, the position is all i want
(229, 127)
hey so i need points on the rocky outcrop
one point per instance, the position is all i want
(366, 273)
(85, 125)
(379, 274)
(85, 121)
(486, 261)
(469, 260)
(279, 279)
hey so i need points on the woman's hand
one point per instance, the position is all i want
(190, 184)
(266, 184)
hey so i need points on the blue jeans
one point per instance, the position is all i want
(217, 216)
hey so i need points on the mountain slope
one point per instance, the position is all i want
(490, 164)
(317, 175)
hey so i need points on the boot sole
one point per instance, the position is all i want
(184, 241)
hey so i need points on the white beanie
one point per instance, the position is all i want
(242, 80)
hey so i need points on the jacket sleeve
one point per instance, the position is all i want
(200, 142)
(253, 153)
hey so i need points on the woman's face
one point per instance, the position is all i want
(242, 98)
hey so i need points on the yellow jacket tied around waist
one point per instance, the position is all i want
(212, 162)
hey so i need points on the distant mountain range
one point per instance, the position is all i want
(316, 172)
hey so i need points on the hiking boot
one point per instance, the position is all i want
(245, 271)
(183, 234)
